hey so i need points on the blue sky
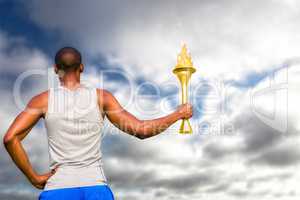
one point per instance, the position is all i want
(15, 22)
(239, 48)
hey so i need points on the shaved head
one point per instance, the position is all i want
(68, 59)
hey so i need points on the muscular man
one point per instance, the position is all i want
(73, 115)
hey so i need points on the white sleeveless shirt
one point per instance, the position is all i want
(74, 128)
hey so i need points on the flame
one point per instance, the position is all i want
(184, 59)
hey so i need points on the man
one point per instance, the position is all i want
(73, 115)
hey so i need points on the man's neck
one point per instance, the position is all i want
(70, 80)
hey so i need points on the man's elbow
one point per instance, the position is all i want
(7, 139)
(145, 133)
(140, 131)
(141, 136)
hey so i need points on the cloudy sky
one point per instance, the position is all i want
(246, 125)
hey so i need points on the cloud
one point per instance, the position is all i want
(279, 157)
(258, 145)
(17, 57)
(275, 147)
(228, 40)
(216, 151)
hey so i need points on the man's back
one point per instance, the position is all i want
(74, 128)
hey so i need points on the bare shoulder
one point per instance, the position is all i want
(104, 94)
(106, 98)
(39, 102)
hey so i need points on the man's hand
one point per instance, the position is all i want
(39, 181)
(185, 111)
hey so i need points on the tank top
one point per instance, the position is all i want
(74, 129)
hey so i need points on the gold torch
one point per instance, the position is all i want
(183, 71)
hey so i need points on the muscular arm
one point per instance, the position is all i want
(18, 130)
(128, 123)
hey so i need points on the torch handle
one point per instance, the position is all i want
(185, 127)
(184, 92)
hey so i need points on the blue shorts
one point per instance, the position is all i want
(97, 192)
